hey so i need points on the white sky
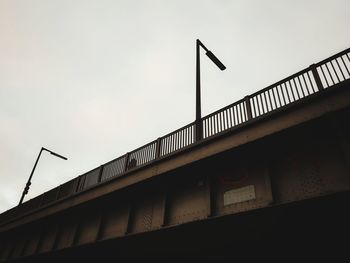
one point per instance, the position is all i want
(93, 80)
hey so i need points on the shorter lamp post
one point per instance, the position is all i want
(26, 188)
(217, 62)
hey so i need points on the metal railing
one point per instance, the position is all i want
(309, 81)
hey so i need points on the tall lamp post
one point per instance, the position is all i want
(26, 188)
(221, 66)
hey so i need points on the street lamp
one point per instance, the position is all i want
(26, 188)
(221, 66)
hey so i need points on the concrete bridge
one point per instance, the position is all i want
(272, 170)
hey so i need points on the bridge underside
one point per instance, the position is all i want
(314, 227)
(287, 188)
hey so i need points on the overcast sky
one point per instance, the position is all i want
(93, 80)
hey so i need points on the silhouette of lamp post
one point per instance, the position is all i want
(26, 188)
(217, 62)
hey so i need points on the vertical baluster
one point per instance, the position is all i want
(142, 157)
(261, 104)
(176, 141)
(269, 99)
(273, 96)
(169, 139)
(265, 100)
(336, 74)
(178, 137)
(340, 69)
(139, 157)
(153, 151)
(256, 105)
(234, 115)
(191, 133)
(345, 66)
(242, 111)
(227, 118)
(291, 91)
(150, 152)
(230, 117)
(324, 75)
(253, 107)
(296, 88)
(306, 86)
(278, 96)
(219, 122)
(312, 85)
(330, 73)
(182, 139)
(301, 87)
(165, 145)
(282, 95)
(210, 119)
(223, 120)
(186, 135)
(216, 123)
(171, 143)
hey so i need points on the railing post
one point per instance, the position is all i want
(158, 147)
(75, 184)
(100, 174)
(316, 77)
(198, 130)
(249, 108)
(58, 192)
(126, 162)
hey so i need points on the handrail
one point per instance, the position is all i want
(296, 87)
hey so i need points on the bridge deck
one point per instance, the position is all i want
(278, 154)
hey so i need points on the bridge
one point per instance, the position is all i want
(270, 168)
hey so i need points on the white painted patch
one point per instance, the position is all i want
(239, 195)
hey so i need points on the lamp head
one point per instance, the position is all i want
(60, 156)
(215, 60)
